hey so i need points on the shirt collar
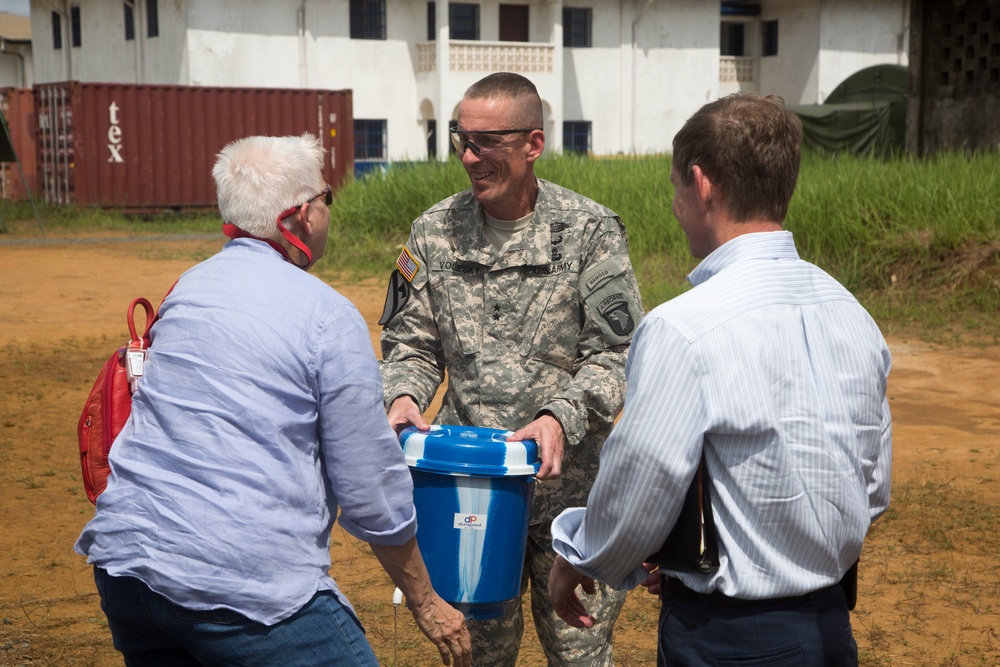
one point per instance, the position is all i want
(756, 245)
(534, 247)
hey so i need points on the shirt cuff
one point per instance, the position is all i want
(565, 531)
(399, 392)
(573, 428)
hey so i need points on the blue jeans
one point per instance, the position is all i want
(814, 632)
(151, 631)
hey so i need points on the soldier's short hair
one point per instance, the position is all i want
(510, 85)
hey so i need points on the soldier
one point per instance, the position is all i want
(524, 292)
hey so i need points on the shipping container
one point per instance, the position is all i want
(152, 147)
(18, 109)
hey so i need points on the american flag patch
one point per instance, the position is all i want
(407, 265)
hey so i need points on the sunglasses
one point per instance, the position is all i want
(482, 141)
(326, 194)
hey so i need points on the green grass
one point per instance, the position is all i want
(61, 221)
(918, 241)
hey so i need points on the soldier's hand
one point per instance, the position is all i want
(404, 412)
(548, 434)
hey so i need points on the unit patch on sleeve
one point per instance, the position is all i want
(407, 265)
(395, 297)
(615, 310)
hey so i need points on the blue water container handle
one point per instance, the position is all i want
(469, 450)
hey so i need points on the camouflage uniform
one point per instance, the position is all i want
(545, 327)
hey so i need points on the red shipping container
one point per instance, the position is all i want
(19, 111)
(152, 147)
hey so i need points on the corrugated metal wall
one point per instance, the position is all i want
(19, 111)
(149, 147)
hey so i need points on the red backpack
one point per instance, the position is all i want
(110, 402)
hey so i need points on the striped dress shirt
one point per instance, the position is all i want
(775, 371)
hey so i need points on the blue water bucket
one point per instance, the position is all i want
(472, 490)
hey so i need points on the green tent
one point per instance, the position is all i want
(866, 114)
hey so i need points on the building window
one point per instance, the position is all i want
(367, 19)
(152, 19)
(770, 38)
(731, 39)
(431, 21)
(129, 22)
(432, 149)
(74, 23)
(740, 8)
(369, 139)
(576, 136)
(56, 31)
(463, 20)
(577, 26)
(514, 23)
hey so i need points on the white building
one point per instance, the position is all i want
(615, 76)
(15, 51)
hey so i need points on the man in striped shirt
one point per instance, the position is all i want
(771, 373)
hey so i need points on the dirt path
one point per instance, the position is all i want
(930, 585)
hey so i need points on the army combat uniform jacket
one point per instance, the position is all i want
(543, 328)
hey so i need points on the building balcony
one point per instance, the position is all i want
(478, 56)
(737, 69)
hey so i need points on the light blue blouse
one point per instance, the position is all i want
(259, 415)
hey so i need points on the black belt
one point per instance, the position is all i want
(676, 589)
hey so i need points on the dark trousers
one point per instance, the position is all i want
(813, 630)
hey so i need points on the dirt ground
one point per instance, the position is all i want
(930, 575)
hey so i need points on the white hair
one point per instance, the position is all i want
(258, 178)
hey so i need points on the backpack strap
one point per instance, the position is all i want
(134, 340)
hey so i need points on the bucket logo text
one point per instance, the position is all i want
(114, 135)
(470, 521)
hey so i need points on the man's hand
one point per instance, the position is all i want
(548, 434)
(563, 580)
(653, 583)
(404, 412)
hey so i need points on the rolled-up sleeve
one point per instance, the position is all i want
(365, 466)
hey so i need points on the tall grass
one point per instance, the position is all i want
(370, 218)
(862, 217)
(917, 239)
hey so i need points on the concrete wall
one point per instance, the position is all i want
(794, 72)
(104, 54)
(650, 66)
(822, 42)
(855, 34)
(954, 103)
(16, 68)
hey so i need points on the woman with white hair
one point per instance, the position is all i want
(258, 416)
